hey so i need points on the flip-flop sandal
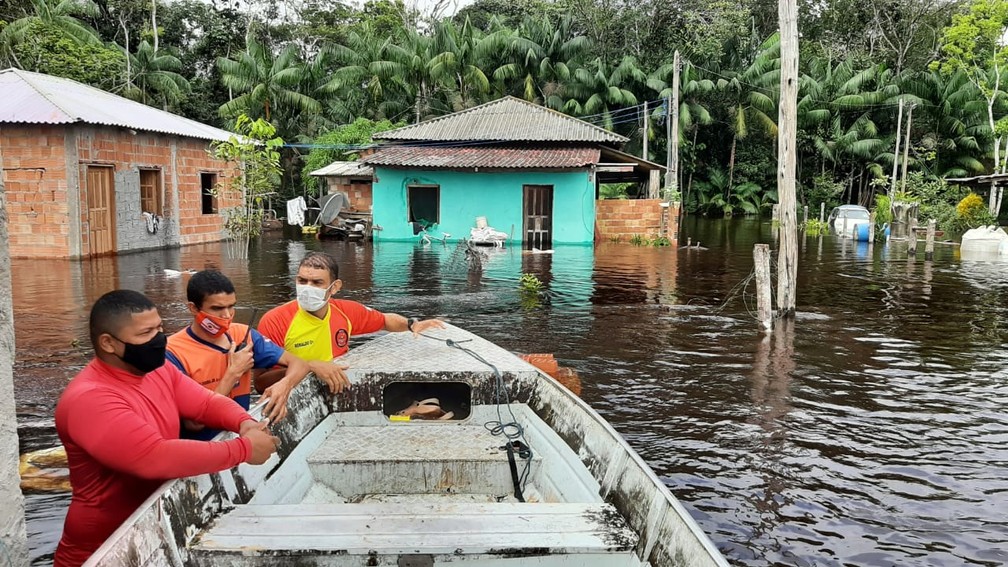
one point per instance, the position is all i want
(424, 409)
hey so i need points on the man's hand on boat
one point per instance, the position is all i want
(332, 373)
(263, 443)
(276, 400)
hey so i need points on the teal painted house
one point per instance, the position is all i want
(531, 172)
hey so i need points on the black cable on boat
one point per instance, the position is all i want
(511, 430)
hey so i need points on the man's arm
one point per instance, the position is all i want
(121, 439)
(396, 323)
(297, 369)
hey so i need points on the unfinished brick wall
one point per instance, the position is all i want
(45, 172)
(624, 218)
(35, 182)
(357, 190)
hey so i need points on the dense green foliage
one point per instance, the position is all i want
(310, 67)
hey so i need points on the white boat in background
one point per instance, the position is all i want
(355, 484)
(844, 220)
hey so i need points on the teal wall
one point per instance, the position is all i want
(494, 195)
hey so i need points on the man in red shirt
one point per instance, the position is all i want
(317, 327)
(119, 422)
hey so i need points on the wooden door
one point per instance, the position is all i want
(101, 210)
(537, 225)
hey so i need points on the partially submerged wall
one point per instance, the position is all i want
(13, 539)
(624, 218)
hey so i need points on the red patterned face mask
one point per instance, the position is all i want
(214, 326)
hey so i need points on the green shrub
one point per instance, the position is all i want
(815, 227)
(637, 240)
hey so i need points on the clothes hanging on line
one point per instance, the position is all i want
(296, 211)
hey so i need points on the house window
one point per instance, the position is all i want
(423, 203)
(150, 191)
(209, 200)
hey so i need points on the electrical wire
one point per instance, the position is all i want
(511, 430)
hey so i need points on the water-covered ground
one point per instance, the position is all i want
(871, 431)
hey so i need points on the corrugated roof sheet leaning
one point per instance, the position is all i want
(34, 98)
(488, 157)
(508, 119)
(344, 169)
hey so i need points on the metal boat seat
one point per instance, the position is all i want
(478, 534)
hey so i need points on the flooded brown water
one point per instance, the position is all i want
(871, 431)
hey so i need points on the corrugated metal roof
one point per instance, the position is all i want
(344, 169)
(34, 98)
(488, 157)
(508, 119)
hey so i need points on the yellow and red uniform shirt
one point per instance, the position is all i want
(311, 338)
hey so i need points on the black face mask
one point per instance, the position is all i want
(145, 357)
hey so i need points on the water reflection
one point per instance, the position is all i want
(870, 431)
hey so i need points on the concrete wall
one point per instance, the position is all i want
(45, 169)
(496, 195)
(624, 218)
(13, 539)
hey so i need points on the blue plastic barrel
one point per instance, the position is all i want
(861, 232)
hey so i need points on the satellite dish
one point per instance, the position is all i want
(331, 205)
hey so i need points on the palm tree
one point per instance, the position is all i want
(540, 59)
(838, 109)
(751, 94)
(953, 116)
(53, 14)
(600, 91)
(154, 77)
(457, 64)
(368, 74)
(266, 84)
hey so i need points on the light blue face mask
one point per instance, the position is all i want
(312, 298)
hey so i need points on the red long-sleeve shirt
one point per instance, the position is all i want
(121, 434)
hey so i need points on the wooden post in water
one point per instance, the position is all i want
(761, 261)
(912, 238)
(871, 228)
(929, 243)
(822, 211)
(787, 151)
(13, 538)
(805, 216)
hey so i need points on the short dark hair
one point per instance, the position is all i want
(109, 313)
(206, 283)
(321, 261)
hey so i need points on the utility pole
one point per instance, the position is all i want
(644, 152)
(13, 538)
(895, 156)
(906, 145)
(787, 133)
(673, 171)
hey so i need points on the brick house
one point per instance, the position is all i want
(88, 173)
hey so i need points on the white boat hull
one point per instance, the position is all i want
(351, 487)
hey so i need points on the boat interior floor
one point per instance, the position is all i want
(363, 490)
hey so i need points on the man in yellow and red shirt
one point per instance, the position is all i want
(220, 354)
(317, 327)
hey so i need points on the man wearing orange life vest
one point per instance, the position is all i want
(317, 327)
(220, 354)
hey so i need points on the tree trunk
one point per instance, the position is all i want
(731, 167)
(153, 18)
(787, 120)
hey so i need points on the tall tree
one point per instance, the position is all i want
(265, 84)
(59, 15)
(974, 44)
(154, 77)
